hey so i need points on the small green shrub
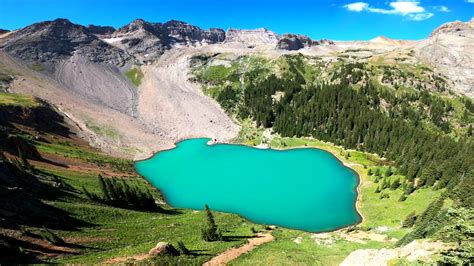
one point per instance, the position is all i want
(135, 75)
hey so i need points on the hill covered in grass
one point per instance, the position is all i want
(54, 208)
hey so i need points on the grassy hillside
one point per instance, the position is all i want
(58, 222)
(12, 99)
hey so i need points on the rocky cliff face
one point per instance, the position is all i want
(49, 42)
(144, 40)
(147, 40)
(456, 27)
(297, 41)
(140, 41)
(101, 30)
(184, 33)
(450, 49)
(251, 37)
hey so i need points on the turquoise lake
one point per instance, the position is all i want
(306, 189)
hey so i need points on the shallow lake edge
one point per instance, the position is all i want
(356, 189)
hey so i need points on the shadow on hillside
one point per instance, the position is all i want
(23, 198)
(12, 254)
(199, 252)
(235, 238)
(170, 211)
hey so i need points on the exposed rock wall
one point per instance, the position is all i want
(450, 49)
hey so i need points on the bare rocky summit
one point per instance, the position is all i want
(49, 42)
(390, 42)
(101, 30)
(251, 38)
(147, 41)
(297, 41)
(450, 48)
(456, 27)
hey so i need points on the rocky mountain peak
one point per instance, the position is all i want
(294, 42)
(259, 36)
(59, 28)
(389, 42)
(298, 41)
(177, 23)
(184, 33)
(458, 27)
(49, 42)
(449, 48)
(139, 25)
(147, 40)
(100, 30)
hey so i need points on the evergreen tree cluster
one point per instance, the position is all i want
(411, 129)
(118, 192)
(446, 222)
(355, 119)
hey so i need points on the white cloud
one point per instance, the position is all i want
(407, 7)
(410, 9)
(420, 16)
(357, 6)
(443, 8)
(470, 1)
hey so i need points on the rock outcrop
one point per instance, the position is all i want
(456, 27)
(101, 30)
(293, 42)
(450, 49)
(147, 40)
(144, 40)
(184, 33)
(415, 251)
(49, 42)
(163, 248)
(251, 38)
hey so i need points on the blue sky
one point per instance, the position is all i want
(332, 19)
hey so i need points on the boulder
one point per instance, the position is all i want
(163, 248)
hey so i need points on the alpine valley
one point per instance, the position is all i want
(369, 145)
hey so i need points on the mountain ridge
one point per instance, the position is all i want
(91, 64)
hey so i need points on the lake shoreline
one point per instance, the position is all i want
(346, 165)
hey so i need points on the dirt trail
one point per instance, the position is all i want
(234, 253)
(134, 258)
(221, 259)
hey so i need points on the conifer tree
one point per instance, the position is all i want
(104, 189)
(409, 220)
(211, 232)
